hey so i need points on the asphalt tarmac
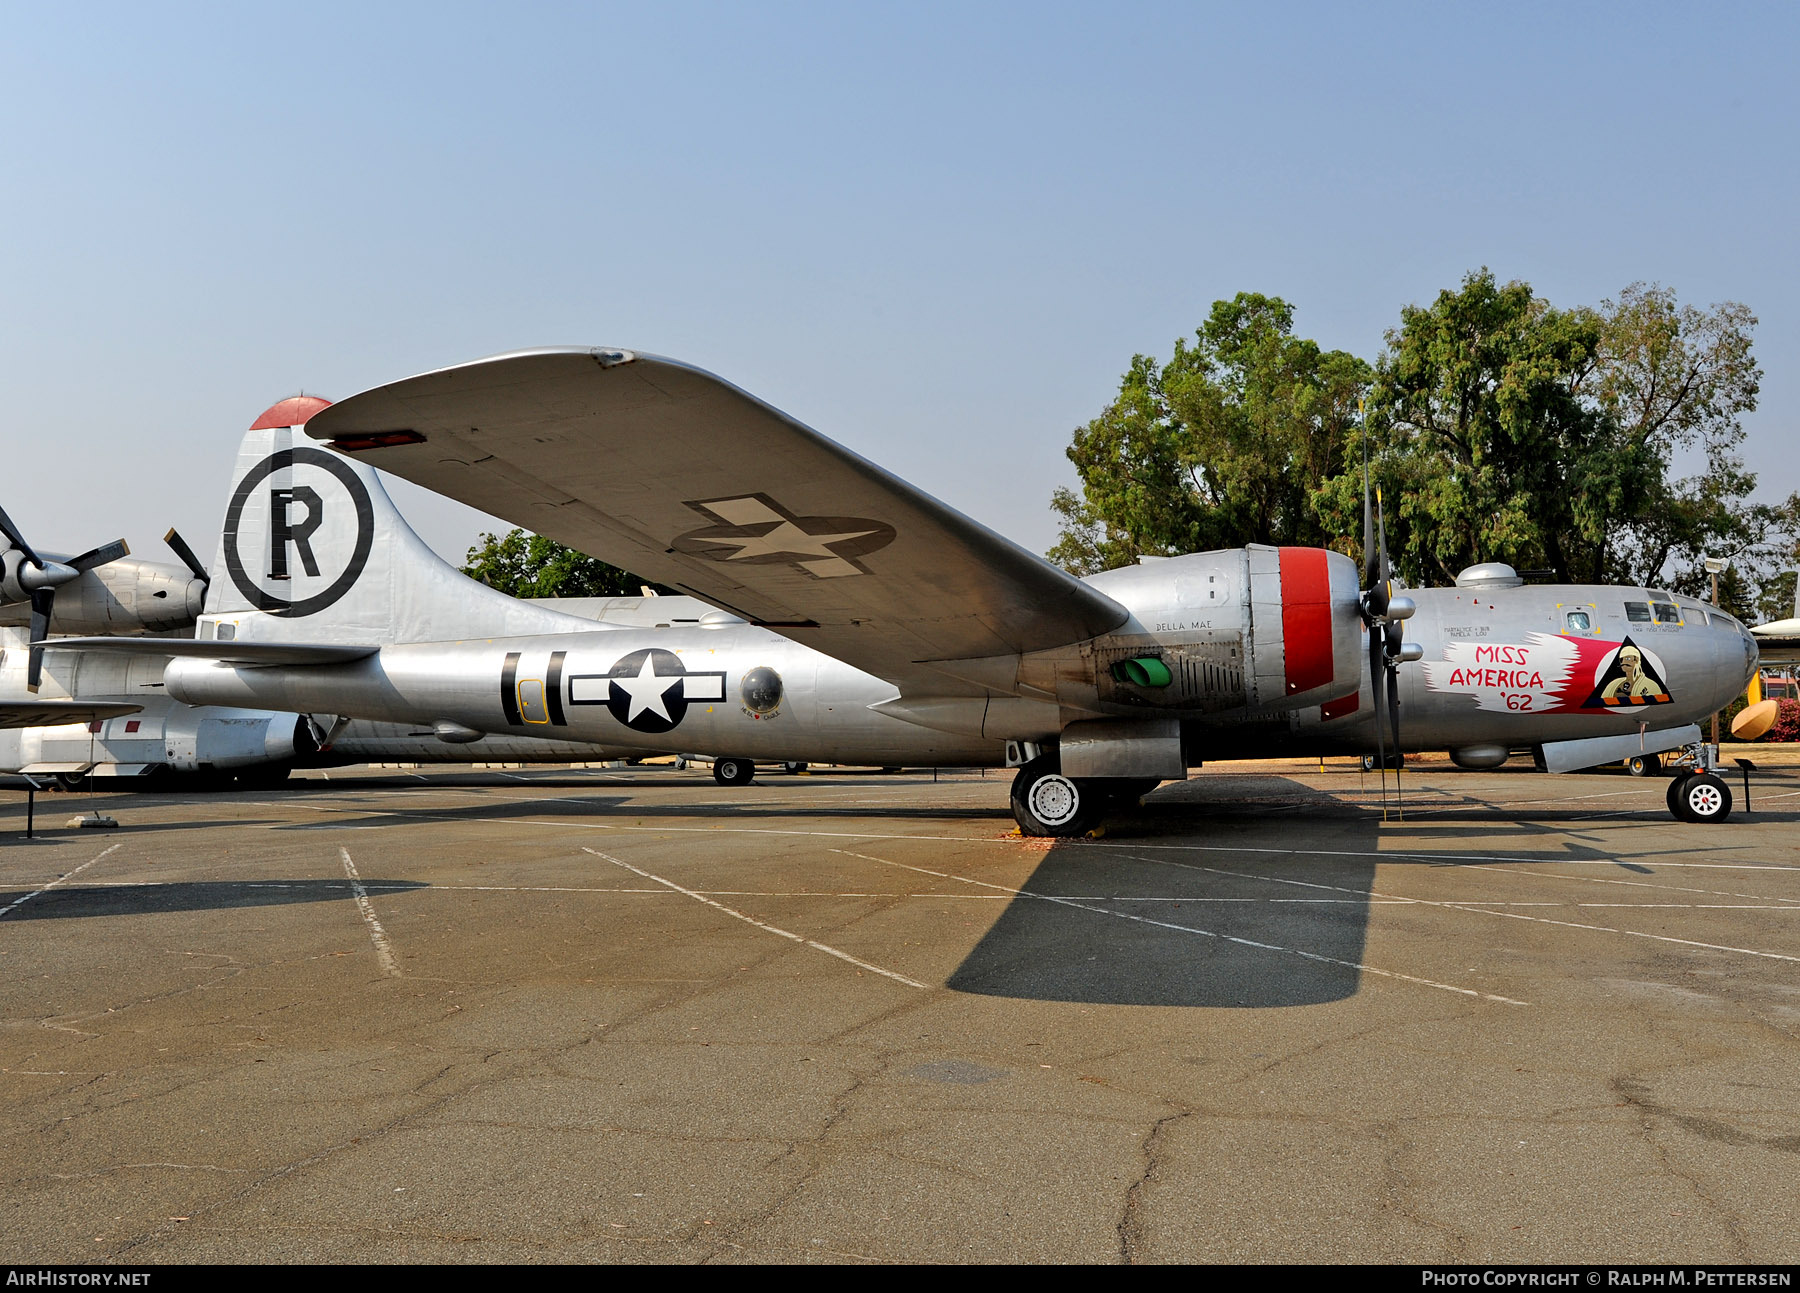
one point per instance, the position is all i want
(631, 1015)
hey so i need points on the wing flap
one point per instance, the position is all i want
(54, 713)
(674, 474)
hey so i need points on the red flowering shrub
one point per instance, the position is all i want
(1787, 722)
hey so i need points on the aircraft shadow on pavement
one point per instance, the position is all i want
(1134, 919)
(78, 901)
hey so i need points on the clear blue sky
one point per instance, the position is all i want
(936, 233)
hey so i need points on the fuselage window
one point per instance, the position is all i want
(1577, 622)
(1637, 612)
(1665, 613)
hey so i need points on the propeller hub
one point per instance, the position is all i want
(52, 574)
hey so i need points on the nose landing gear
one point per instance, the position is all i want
(1699, 797)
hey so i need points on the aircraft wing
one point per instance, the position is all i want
(244, 653)
(680, 477)
(54, 713)
(1779, 642)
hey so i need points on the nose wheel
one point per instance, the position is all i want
(1699, 798)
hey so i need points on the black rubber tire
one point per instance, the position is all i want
(1702, 799)
(793, 768)
(75, 782)
(733, 772)
(1046, 803)
(1371, 764)
(1644, 765)
(263, 778)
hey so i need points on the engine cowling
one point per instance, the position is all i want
(232, 738)
(1254, 629)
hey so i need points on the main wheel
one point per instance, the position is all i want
(733, 772)
(75, 780)
(1644, 765)
(1702, 798)
(1044, 802)
(264, 778)
(793, 767)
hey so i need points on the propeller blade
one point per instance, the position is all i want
(1368, 523)
(1379, 588)
(180, 547)
(42, 602)
(18, 540)
(100, 556)
(1377, 692)
(1393, 700)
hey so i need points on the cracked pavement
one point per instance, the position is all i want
(631, 1015)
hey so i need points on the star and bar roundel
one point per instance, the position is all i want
(756, 530)
(648, 690)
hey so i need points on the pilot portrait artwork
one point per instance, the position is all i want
(1630, 679)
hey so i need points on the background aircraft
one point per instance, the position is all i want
(93, 719)
(103, 590)
(869, 623)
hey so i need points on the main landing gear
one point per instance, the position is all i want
(733, 772)
(1046, 803)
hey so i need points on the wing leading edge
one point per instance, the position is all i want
(678, 476)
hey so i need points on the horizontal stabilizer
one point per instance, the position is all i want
(54, 713)
(244, 653)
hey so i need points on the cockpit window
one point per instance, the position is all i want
(1637, 612)
(1666, 613)
(1577, 622)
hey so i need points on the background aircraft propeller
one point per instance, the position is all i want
(40, 579)
(179, 546)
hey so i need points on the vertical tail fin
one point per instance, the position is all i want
(313, 550)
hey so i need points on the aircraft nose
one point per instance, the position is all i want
(1735, 655)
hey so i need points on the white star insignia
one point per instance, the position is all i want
(647, 691)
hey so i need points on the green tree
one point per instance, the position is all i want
(1488, 452)
(1499, 428)
(529, 565)
(1226, 444)
(1509, 430)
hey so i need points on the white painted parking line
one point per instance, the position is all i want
(1011, 839)
(384, 954)
(1486, 909)
(17, 903)
(762, 925)
(1082, 905)
(1634, 884)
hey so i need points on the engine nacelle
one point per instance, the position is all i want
(1254, 629)
(123, 596)
(232, 738)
